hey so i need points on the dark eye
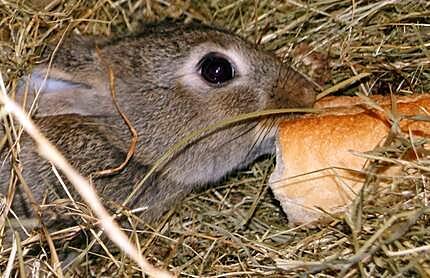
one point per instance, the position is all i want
(216, 69)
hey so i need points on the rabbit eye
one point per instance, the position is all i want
(216, 69)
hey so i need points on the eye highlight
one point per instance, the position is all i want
(216, 69)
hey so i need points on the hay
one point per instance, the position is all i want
(237, 229)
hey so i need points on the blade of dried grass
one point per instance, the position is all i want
(343, 84)
(410, 251)
(11, 259)
(192, 136)
(22, 272)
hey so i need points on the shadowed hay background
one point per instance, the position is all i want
(237, 228)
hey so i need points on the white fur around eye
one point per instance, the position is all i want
(188, 74)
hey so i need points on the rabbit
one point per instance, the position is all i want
(170, 79)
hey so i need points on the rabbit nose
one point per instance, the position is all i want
(294, 90)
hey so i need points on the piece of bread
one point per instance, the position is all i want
(316, 170)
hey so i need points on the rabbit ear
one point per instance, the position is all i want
(59, 93)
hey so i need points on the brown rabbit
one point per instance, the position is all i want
(171, 79)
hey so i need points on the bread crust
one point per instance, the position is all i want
(315, 166)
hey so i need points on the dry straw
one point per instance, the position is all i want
(237, 228)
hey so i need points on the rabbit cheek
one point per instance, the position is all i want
(235, 100)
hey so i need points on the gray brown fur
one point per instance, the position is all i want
(93, 136)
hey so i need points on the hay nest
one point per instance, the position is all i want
(237, 228)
